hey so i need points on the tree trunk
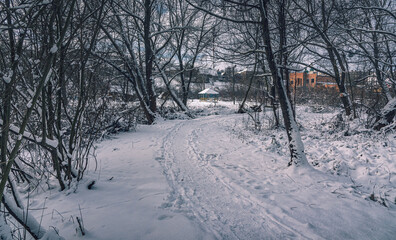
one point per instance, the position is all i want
(296, 146)
(242, 105)
(175, 98)
(149, 57)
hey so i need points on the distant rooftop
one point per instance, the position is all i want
(208, 91)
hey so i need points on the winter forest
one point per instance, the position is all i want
(198, 119)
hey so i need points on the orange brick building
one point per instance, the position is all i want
(311, 80)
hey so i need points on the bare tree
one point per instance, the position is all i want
(372, 40)
(126, 42)
(20, 21)
(320, 16)
(258, 12)
(191, 36)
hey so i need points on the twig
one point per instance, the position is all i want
(80, 222)
(42, 214)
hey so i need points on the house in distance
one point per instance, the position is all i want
(208, 94)
(311, 79)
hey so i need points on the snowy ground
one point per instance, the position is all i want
(214, 178)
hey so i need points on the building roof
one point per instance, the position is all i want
(208, 91)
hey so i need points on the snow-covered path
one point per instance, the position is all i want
(199, 179)
(238, 191)
(214, 179)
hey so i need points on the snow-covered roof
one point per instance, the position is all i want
(242, 71)
(208, 91)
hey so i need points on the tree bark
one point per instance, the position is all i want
(149, 56)
(296, 146)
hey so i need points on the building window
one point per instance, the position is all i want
(312, 80)
(291, 82)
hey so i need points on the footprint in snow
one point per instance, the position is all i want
(164, 217)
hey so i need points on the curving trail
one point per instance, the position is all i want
(237, 191)
(207, 179)
(194, 157)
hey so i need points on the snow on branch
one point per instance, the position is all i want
(31, 137)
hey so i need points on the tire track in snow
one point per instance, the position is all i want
(205, 192)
